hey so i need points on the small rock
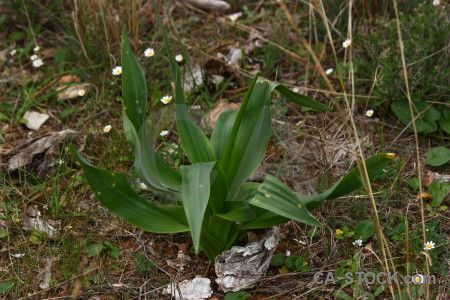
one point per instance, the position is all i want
(34, 119)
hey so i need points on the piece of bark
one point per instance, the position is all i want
(196, 289)
(38, 154)
(241, 267)
(209, 4)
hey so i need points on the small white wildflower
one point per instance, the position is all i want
(149, 52)
(369, 113)
(288, 253)
(37, 63)
(170, 150)
(429, 245)
(300, 242)
(164, 133)
(60, 161)
(68, 227)
(117, 70)
(33, 57)
(417, 279)
(81, 92)
(436, 2)
(196, 107)
(18, 255)
(346, 43)
(179, 58)
(13, 52)
(296, 90)
(357, 243)
(36, 49)
(329, 71)
(107, 128)
(166, 99)
(45, 207)
(143, 186)
(234, 17)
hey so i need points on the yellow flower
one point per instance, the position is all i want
(339, 232)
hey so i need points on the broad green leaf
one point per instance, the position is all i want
(299, 99)
(439, 191)
(278, 259)
(444, 121)
(249, 138)
(364, 230)
(222, 131)
(275, 196)
(115, 193)
(195, 192)
(211, 245)
(193, 140)
(220, 228)
(145, 172)
(247, 191)
(242, 213)
(134, 87)
(151, 167)
(437, 156)
(264, 219)
(426, 123)
(350, 182)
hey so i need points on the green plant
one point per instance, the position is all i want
(295, 263)
(425, 43)
(214, 201)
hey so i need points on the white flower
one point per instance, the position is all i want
(296, 90)
(417, 279)
(18, 255)
(429, 245)
(81, 92)
(107, 128)
(166, 99)
(436, 2)
(196, 107)
(329, 71)
(149, 52)
(143, 186)
(288, 253)
(36, 49)
(164, 133)
(117, 70)
(357, 243)
(34, 57)
(369, 113)
(37, 63)
(60, 161)
(234, 17)
(13, 52)
(346, 43)
(179, 58)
